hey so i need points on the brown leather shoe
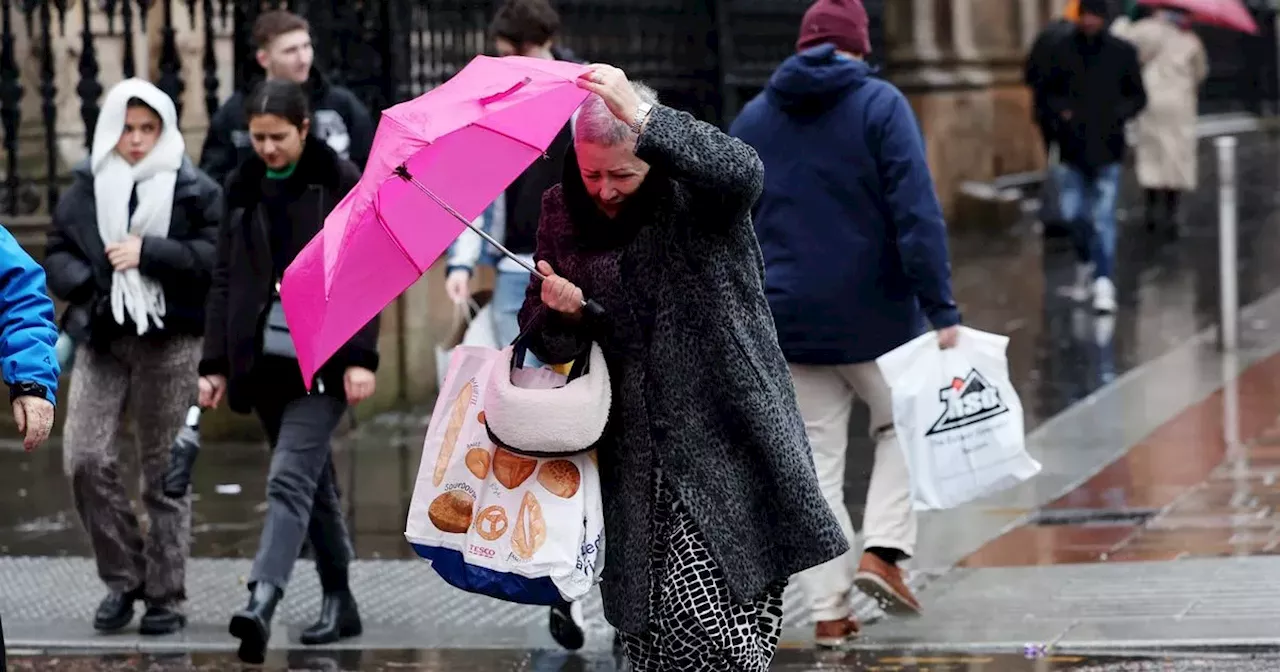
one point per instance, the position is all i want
(884, 583)
(836, 634)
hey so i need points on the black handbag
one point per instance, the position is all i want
(276, 339)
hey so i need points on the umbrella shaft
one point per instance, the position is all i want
(466, 222)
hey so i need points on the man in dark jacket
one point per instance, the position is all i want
(285, 52)
(1092, 89)
(855, 252)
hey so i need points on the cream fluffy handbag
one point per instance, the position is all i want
(549, 422)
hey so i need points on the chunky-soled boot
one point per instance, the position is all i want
(252, 625)
(339, 619)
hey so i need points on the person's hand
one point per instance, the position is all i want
(34, 416)
(559, 294)
(359, 384)
(611, 84)
(211, 390)
(126, 254)
(948, 337)
(457, 285)
(1066, 115)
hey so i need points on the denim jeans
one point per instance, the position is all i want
(1088, 205)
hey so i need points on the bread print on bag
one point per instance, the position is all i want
(457, 416)
(478, 460)
(560, 477)
(451, 512)
(510, 469)
(531, 528)
(492, 523)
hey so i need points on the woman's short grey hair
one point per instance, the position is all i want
(594, 123)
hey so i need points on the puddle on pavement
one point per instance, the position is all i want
(376, 467)
(458, 660)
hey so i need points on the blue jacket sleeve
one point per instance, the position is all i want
(913, 208)
(27, 331)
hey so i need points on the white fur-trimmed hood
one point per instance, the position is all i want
(559, 421)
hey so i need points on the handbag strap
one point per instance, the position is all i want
(520, 348)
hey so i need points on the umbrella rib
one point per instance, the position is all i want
(396, 239)
(512, 138)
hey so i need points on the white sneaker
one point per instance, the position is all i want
(1082, 290)
(1104, 296)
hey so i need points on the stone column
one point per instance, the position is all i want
(960, 64)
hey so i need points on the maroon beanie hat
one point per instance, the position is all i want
(842, 23)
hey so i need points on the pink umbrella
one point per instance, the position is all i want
(1230, 14)
(437, 162)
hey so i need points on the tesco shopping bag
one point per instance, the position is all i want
(957, 417)
(518, 528)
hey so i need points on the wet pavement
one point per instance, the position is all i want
(786, 661)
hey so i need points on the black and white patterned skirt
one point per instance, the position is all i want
(694, 624)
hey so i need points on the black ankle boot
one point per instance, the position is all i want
(339, 619)
(252, 625)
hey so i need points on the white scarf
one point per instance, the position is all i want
(132, 294)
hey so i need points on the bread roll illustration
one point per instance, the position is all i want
(531, 529)
(560, 477)
(451, 512)
(480, 417)
(457, 416)
(491, 523)
(478, 462)
(510, 469)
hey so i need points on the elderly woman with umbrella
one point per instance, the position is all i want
(710, 495)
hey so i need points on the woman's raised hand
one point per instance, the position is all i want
(559, 294)
(611, 84)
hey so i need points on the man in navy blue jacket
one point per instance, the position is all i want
(855, 252)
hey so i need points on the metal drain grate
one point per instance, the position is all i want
(1097, 517)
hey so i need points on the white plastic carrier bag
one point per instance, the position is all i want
(958, 418)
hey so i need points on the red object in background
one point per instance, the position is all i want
(1230, 14)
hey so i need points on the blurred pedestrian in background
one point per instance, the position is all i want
(856, 261)
(1093, 88)
(285, 51)
(1174, 65)
(132, 251)
(277, 201)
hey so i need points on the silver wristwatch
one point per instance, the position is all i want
(642, 113)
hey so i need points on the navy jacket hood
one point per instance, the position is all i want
(816, 79)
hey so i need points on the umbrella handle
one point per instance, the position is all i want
(592, 309)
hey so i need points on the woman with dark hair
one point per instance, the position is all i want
(131, 252)
(277, 201)
(710, 497)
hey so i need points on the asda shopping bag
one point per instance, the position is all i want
(521, 529)
(958, 418)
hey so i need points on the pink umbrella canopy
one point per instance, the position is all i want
(437, 161)
(1229, 14)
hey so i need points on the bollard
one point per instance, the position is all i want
(1228, 261)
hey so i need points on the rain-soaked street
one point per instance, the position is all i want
(1141, 498)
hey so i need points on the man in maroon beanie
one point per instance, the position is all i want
(855, 251)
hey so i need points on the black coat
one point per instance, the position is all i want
(338, 117)
(80, 274)
(243, 277)
(1099, 83)
(700, 387)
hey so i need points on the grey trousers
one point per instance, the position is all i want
(155, 381)
(302, 495)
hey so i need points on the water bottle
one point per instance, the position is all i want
(182, 456)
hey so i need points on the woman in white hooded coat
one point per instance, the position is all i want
(1173, 67)
(131, 252)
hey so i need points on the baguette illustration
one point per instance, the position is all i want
(457, 416)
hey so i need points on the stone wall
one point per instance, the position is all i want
(960, 63)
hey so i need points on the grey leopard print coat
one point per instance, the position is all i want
(700, 388)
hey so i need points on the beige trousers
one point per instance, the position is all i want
(825, 395)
